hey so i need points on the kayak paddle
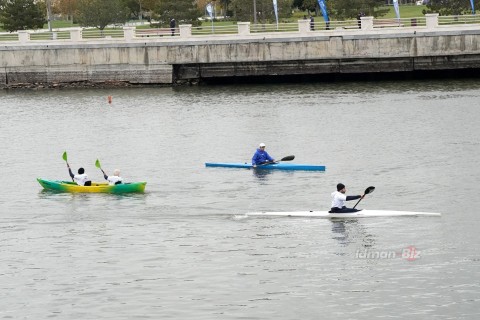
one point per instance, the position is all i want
(64, 157)
(97, 164)
(287, 158)
(367, 191)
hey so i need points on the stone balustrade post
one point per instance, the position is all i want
(367, 23)
(303, 26)
(76, 34)
(185, 30)
(432, 20)
(129, 33)
(23, 36)
(243, 28)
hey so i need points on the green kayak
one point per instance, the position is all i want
(96, 187)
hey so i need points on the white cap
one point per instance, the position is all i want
(262, 145)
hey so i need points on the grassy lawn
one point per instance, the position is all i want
(61, 24)
(406, 11)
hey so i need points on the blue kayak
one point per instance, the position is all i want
(273, 166)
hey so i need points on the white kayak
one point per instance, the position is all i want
(358, 214)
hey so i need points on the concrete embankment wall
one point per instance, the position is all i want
(160, 61)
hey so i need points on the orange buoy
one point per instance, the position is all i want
(109, 99)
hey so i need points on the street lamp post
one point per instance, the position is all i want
(49, 15)
(255, 11)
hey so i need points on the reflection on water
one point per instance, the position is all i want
(352, 231)
(262, 174)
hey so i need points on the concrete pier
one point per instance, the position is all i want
(166, 60)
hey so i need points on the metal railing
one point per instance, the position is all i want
(156, 32)
(345, 24)
(4, 36)
(99, 34)
(206, 29)
(281, 27)
(54, 35)
(399, 23)
(455, 20)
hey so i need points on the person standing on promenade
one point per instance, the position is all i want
(172, 26)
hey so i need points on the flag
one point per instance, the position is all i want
(210, 10)
(397, 10)
(276, 11)
(323, 7)
(473, 6)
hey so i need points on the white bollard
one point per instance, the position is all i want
(128, 33)
(432, 20)
(243, 28)
(185, 30)
(367, 23)
(304, 26)
(76, 34)
(23, 36)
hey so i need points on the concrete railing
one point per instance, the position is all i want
(429, 22)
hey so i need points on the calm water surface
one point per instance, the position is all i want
(184, 249)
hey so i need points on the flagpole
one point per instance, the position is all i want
(276, 11)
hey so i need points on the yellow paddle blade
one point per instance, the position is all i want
(97, 164)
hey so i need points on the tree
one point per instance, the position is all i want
(306, 5)
(243, 10)
(450, 7)
(100, 13)
(183, 11)
(140, 7)
(22, 14)
(347, 9)
(134, 6)
(65, 7)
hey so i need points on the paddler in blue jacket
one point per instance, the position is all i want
(261, 156)
(339, 198)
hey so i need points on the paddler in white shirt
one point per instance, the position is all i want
(81, 178)
(339, 198)
(115, 179)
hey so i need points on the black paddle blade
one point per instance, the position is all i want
(369, 190)
(288, 158)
